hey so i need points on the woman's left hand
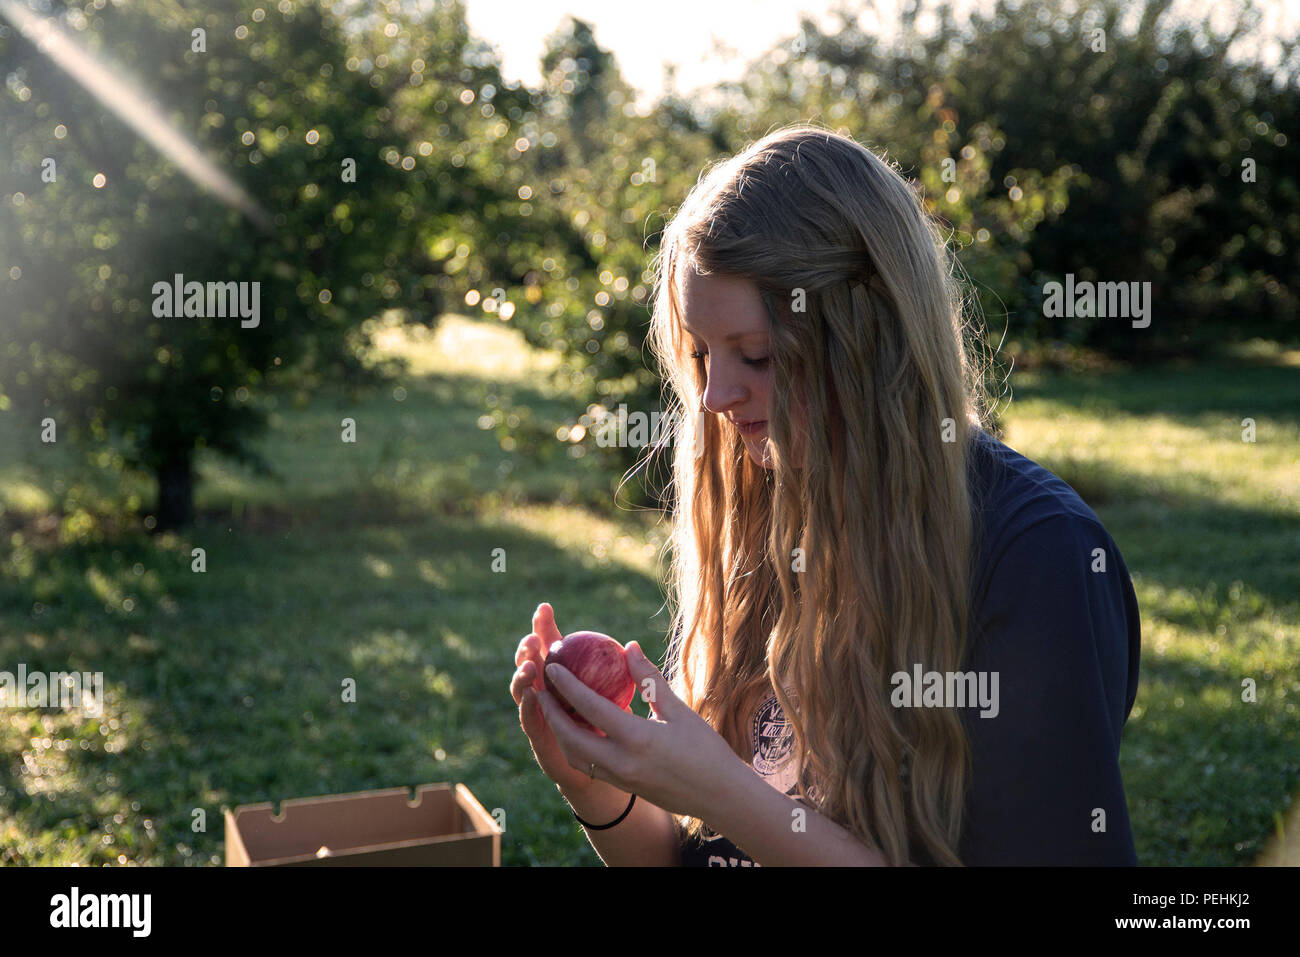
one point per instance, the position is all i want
(674, 759)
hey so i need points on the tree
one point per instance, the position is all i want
(281, 104)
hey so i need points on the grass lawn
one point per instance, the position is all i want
(373, 562)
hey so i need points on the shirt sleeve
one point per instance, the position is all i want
(1059, 624)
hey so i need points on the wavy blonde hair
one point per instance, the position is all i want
(878, 359)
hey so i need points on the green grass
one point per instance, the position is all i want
(373, 562)
(1209, 526)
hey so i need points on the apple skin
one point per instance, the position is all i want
(599, 662)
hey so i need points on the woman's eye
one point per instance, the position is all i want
(756, 363)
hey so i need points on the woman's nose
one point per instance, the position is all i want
(721, 394)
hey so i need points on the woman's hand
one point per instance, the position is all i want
(674, 759)
(525, 686)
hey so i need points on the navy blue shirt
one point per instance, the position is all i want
(1054, 614)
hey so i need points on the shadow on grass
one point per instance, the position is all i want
(1205, 772)
(1188, 539)
(235, 694)
(1227, 389)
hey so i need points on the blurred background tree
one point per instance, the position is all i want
(1139, 132)
(1111, 143)
(289, 104)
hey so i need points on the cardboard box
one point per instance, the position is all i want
(442, 827)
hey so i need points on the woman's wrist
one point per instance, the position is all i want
(598, 802)
(594, 826)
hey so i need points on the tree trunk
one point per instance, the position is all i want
(176, 491)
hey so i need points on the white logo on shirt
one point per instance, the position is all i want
(774, 745)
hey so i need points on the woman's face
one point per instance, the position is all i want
(726, 322)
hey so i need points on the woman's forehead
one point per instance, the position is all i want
(719, 305)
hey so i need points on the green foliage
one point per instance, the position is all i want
(1043, 153)
(1122, 164)
(284, 102)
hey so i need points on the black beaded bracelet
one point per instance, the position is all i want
(603, 827)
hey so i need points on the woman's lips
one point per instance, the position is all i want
(753, 429)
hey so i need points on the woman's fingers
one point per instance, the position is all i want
(528, 712)
(597, 710)
(517, 685)
(577, 747)
(533, 649)
(525, 685)
(531, 670)
(533, 722)
(531, 655)
(652, 686)
(544, 626)
(530, 647)
(550, 756)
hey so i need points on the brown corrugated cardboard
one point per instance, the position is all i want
(443, 826)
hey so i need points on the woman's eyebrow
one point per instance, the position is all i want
(733, 336)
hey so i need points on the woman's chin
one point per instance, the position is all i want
(760, 452)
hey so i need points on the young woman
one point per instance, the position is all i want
(895, 640)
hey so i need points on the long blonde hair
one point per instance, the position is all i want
(877, 360)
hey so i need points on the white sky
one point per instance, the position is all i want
(643, 35)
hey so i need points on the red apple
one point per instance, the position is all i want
(599, 662)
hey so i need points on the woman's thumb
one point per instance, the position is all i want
(544, 624)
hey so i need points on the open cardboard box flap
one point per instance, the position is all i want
(441, 826)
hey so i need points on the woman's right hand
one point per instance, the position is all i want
(527, 681)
